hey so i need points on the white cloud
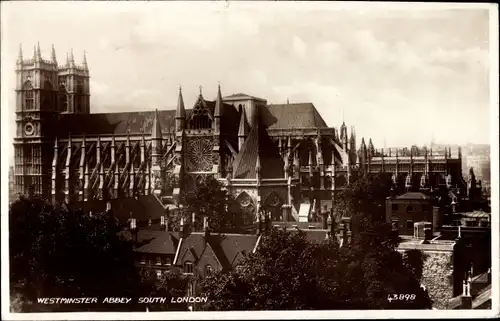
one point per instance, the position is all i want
(380, 67)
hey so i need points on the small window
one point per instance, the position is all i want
(395, 224)
(168, 262)
(188, 268)
(409, 208)
(409, 225)
(208, 270)
(394, 207)
(143, 260)
(158, 260)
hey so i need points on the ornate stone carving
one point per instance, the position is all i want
(198, 157)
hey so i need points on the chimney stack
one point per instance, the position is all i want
(206, 228)
(342, 234)
(182, 228)
(466, 297)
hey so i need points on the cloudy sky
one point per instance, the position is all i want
(401, 76)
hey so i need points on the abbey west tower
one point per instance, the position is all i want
(44, 90)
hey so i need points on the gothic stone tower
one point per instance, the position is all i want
(44, 89)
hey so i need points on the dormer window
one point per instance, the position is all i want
(158, 260)
(208, 270)
(143, 260)
(188, 268)
(168, 262)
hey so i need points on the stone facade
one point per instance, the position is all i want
(437, 277)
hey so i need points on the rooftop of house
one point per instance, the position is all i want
(413, 196)
(142, 208)
(435, 244)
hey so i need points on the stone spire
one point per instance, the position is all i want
(371, 149)
(84, 63)
(20, 56)
(218, 111)
(38, 52)
(218, 104)
(54, 60)
(180, 113)
(156, 138)
(243, 130)
(156, 128)
(71, 58)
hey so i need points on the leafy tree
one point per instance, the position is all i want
(55, 252)
(169, 285)
(288, 272)
(210, 200)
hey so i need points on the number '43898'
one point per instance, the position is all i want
(401, 297)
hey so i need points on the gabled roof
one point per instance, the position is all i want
(300, 115)
(142, 208)
(115, 123)
(195, 242)
(242, 96)
(158, 242)
(234, 245)
(258, 147)
(226, 247)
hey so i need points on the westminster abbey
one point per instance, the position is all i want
(278, 155)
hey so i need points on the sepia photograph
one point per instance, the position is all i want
(249, 160)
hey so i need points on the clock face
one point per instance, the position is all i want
(29, 129)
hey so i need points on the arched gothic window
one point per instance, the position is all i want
(200, 118)
(247, 208)
(63, 98)
(79, 86)
(29, 96)
(48, 95)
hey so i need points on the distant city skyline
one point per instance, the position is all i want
(402, 77)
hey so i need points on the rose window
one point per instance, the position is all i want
(199, 155)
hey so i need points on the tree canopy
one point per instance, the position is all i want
(211, 200)
(289, 272)
(57, 252)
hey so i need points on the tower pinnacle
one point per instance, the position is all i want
(85, 66)
(20, 56)
(71, 58)
(38, 52)
(54, 60)
(180, 113)
(218, 104)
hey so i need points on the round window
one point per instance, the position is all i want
(29, 129)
